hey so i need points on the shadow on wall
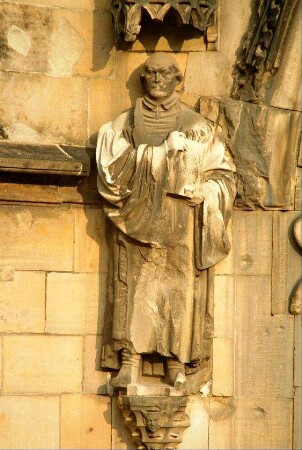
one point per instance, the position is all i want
(152, 31)
(103, 38)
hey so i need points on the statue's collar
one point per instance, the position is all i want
(166, 104)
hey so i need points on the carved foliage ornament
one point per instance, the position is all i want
(263, 49)
(128, 14)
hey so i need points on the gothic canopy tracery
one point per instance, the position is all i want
(128, 14)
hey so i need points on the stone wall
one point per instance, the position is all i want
(61, 77)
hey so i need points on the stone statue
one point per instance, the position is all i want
(168, 191)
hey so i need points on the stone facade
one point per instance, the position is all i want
(61, 77)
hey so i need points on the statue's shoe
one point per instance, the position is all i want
(180, 382)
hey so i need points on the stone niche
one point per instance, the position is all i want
(149, 20)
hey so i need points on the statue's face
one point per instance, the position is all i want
(160, 79)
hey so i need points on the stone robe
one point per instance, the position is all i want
(160, 245)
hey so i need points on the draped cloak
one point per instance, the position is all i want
(159, 244)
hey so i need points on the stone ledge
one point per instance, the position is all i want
(44, 159)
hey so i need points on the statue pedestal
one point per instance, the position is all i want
(155, 415)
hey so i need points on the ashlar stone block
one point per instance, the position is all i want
(223, 367)
(252, 246)
(85, 422)
(22, 309)
(224, 306)
(48, 109)
(30, 422)
(264, 344)
(75, 303)
(91, 251)
(266, 161)
(196, 436)
(93, 377)
(264, 423)
(250, 423)
(70, 4)
(36, 238)
(42, 364)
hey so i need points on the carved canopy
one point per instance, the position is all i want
(128, 14)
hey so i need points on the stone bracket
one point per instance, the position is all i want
(44, 159)
(155, 422)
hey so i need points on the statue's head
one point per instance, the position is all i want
(160, 75)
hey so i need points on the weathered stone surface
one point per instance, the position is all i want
(264, 423)
(250, 423)
(75, 303)
(266, 161)
(22, 309)
(27, 192)
(284, 89)
(222, 423)
(91, 251)
(7, 273)
(93, 377)
(252, 242)
(100, 93)
(287, 263)
(24, 33)
(66, 48)
(210, 73)
(120, 435)
(30, 422)
(85, 422)
(70, 4)
(46, 364)
(264, 344)
(223, 367)
(1, 364)
(196, 437)
(297, 352)
(43, 159)
(297, 441)
(41, 98)
(36, 238)
(298, 193)
(56, 41)
(224, 306)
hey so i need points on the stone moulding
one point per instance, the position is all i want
(296, 294)
(44, 159)
(263, 48)
(156, 423)
(127, 14)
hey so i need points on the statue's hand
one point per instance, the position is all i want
(176, 142)
(194, 198)
(195, 201)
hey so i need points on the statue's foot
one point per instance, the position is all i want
(177, 374)
(180, 382)
(123, 378)
(128, 373)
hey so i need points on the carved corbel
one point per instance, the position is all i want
(155, 423)
(127, 15)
